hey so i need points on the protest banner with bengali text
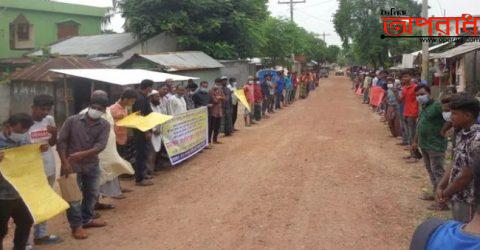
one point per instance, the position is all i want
(186, 134)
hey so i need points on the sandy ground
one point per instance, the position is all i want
(321, 174)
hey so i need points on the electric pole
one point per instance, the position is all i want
(425, 53)
(291, 2)
(324, 35)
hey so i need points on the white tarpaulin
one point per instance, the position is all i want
(122, 76)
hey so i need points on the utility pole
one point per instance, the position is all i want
(291, 3)
(425, 53)
(324, 35)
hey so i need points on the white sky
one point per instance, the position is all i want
(317, 15)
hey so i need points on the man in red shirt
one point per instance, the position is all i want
(249, 90)
(258, 99)
(410, 111)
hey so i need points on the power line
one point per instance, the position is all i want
(312, 16)
(440, 6)
(291, 3)
(324, 2)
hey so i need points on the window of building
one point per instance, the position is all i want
(21, 34)
(23, 31)
(68, 28)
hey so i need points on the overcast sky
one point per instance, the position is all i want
(317, 15)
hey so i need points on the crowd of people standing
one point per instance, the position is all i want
(84, 136)
(425, 126)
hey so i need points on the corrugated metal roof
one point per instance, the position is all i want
(40, 72)
(184, 60)
(416, 53)
(105, 44)
(462, 49)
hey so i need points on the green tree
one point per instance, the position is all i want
(224, 29)
(359, 26)
(333, 51)
(283, 37)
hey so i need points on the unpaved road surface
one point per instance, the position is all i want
(321, 174)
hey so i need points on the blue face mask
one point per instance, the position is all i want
(17, 138)
(423, 99)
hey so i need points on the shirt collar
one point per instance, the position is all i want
(84, 119)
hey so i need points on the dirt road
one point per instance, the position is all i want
(322, 174)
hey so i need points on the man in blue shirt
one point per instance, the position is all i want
(279, 98)
(14, 134)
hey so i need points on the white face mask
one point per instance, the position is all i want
(17, 138)
(250, 82)
(390, 86)
(94, 114)
(447, 116)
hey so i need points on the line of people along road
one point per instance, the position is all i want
(425, 127)
(84, 136)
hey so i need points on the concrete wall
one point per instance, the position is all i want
(44, 28)
(472, 72)
(158, 44)
(238, 69)
(4, 101)
(208, 75)
(22, 95)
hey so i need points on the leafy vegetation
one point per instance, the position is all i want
(359, 26)
(226, 29)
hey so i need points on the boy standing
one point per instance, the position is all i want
(44, 131)
(457, 185)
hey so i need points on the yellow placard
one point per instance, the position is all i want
(240, 94)
(23, 168)
(144, 123)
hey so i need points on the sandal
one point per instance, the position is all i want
(126, 190)
(119, 197)
(438, 207)
(427, 197)
(48, 240)
(102, 206)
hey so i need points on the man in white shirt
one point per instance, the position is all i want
(44, 131)
(375, 79)
(159, 104)
(169, 84)
(176, 103)
(232, 85)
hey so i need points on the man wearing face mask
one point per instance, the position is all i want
(80, 140)
(249, 90)
(14, 134)
(191, 88)
(201, 98)
(227, 107)
(232, 85)
(430, 140)
(457, 184)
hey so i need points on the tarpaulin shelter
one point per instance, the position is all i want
(111, 80)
